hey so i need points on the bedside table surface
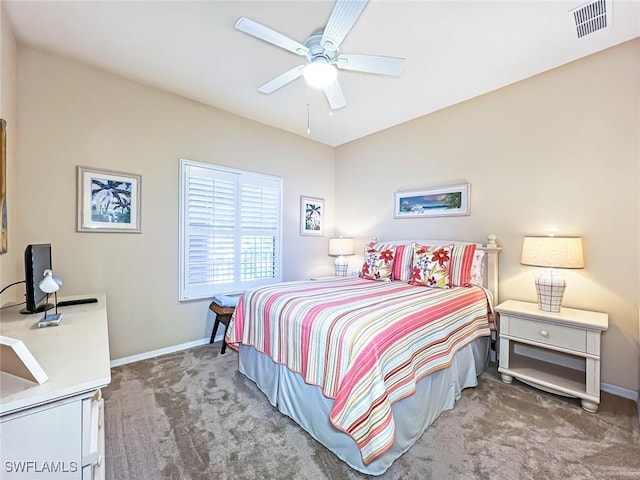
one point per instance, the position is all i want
(569, 316)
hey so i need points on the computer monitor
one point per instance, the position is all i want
(37, 259)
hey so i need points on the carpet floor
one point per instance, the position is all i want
(192, 415)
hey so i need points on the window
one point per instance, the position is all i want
(230, 230)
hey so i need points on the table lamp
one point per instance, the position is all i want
(50, 284)
(551, 252)
(340, 247)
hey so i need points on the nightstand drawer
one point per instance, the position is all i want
(548, 333)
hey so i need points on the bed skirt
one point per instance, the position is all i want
(309, 408)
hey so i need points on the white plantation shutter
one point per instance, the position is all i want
(230, 229)
(259, 228)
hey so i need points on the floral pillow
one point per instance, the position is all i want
(378, 264)
(431, 266)
(401, 269)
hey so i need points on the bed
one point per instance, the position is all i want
(365, 365)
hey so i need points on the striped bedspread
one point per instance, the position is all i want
(364, 343)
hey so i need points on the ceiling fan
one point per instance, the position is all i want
(322, 52)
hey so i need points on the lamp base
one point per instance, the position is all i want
(341, 265)
(50, 320)
(550, 288)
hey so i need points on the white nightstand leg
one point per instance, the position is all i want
(590, 407)
(593, 384)
(593, 377)
(504, 359)
(592, 372)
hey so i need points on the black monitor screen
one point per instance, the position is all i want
(37, 258)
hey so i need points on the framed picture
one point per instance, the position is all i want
(108, 201)
(445, 201)
(311, 216)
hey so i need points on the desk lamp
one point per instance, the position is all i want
(50, 284)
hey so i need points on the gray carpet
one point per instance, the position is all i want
(191, 415)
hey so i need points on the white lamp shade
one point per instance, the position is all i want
(341, 246)
(49, 283)
(552, 252)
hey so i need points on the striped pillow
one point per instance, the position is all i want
(461, 263)
(402, 262)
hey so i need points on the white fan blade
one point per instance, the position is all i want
(281, 80)
(371, 64)
(271, 36)
(343, 17)
(335, 97)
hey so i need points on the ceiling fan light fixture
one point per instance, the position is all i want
(322, 52)
(320, 74)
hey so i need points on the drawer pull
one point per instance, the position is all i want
(544, 333)
(97, 396)
(99, 461)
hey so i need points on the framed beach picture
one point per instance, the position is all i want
(444, 201)
(311, 216)
(108, 201)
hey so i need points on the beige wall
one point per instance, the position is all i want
(73, 115)
(8, 98)
(558, 152)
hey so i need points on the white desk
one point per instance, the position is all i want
(55, 430)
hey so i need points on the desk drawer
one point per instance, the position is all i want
(548, 333)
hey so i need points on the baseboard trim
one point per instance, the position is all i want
(155, 353)
(619, 391)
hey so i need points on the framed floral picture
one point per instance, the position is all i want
(311, 216)
(450, 200)
(108, 201)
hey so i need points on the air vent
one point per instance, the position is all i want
(591, 17)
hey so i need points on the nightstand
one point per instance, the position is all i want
(570, 334)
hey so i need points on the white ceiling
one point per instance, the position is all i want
(455, 50)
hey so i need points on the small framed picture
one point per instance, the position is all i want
(108, 201)
(311, 216)
(451, 200)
